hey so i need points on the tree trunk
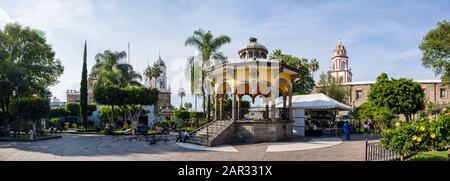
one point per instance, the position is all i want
(203, 91)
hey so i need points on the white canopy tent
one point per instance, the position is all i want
(315, 102)
(300, 103)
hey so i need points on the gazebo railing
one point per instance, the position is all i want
(258, 114)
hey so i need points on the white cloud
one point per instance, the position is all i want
(4, 17)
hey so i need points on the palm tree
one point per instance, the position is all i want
(181, 93)
(153, 73)
(276, 54)
(209, 48)
(314, 66)
(128, 77)
(188, 105)
(106, 70)
(193, 74)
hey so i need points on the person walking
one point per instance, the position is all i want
(347, 130)
(366, 129)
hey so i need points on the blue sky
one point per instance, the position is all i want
(380, 36)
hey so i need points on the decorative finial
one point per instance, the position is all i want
(253, 39)
(340, 40)
(159, 53)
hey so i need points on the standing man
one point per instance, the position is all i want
(347, 130)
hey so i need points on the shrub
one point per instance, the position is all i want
(55, 121)
(188, 129)
(66, 125)
(197, 115)
(58, 112)
(167, 123)
(182, 114)
(75, 125)
(73, 108)
(152, 132)
(417, 136)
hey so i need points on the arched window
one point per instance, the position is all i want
(342, 65)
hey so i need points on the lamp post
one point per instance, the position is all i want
(14, 93)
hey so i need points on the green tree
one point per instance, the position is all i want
(27, 66)
(332, 88)
(436, 51)
(153, 72)
(193, 74)
(31, 109)
(401, 96)
(183, 115)
(305, 84)
(84, 91)
(380, 115)
(208, 46)
(130, 99)
(188, 105)
(314, 66)
(108, 71)
(72, 108)
(181, 93)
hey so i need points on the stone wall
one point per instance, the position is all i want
(228, 135)
(164, 100)
(261, 131)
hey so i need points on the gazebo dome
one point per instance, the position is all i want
(253, 50)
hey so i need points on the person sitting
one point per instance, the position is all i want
(185, 136)
(179, 137)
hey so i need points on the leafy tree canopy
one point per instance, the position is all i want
(401, 96)
(436, 51)
(332, 88)
(27, 64)
(305, 84)
(31, 108)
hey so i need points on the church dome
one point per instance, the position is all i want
(253, 50)
(340, 51)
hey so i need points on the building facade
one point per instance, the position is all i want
(164, 100)
(357, 92)
(434, 90)
(74, 96)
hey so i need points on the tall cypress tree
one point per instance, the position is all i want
(84, 91)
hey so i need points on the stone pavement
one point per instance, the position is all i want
(90, 147)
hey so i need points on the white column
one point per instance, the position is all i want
(233, 107)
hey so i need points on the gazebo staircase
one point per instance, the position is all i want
(212, 133)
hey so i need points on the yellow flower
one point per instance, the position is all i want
(422, 128)
(419, 139)
(414, 137)
(433, 135)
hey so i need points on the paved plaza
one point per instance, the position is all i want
(95, 147)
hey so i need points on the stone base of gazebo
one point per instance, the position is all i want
(254, 131)
(263, 131)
